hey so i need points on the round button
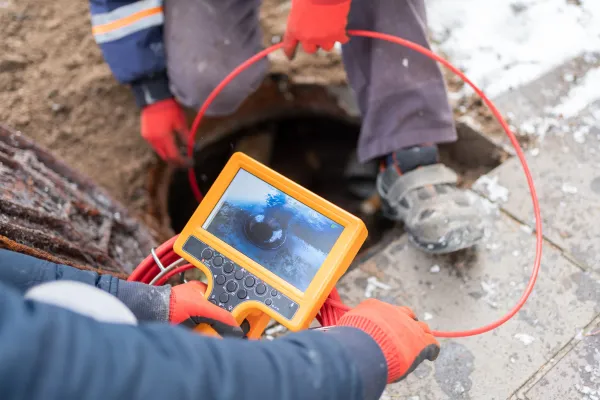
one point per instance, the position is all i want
(207, 254)
(220, 279)
(261, 288)
(273, 292)
(224, 298)
(242, 294)
(228, 268)
(231, 286)
(268, 302)
(218, 261)
(249, 281)
(239, 274)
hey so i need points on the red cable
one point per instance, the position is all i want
(333, 307)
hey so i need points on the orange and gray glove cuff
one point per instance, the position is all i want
(365, 355)
(151, 89)
(148, 303)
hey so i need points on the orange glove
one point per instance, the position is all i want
(189, 307)
(405, 342)
(316, 23)
(160, 122)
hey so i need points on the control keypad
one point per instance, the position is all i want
(233, 285)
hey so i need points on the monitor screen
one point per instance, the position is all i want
(275, 230)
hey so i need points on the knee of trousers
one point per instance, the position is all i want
(192, 87)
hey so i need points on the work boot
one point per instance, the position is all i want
(419, 191)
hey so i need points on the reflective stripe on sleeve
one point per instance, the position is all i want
(126, 20)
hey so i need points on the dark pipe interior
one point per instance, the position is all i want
(313, 151)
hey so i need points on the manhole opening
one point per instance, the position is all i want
(315, 151)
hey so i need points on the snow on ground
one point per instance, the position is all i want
(560, 119)
(587, 91)
(502, 44)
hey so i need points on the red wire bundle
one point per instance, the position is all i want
(333, 308)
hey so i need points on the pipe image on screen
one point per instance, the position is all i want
(278, 232)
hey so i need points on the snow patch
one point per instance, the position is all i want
(502, 44)
(525, 338)
(372, 285)
(493, 190)
(580, 96)
(569, 189)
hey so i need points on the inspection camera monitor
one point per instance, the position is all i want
(269, 247)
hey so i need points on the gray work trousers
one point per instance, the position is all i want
(401, 94)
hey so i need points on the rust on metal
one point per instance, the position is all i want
(49, 211)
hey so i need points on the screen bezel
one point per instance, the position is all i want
(329, 270)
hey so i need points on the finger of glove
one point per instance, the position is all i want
(224, 330)
(290, 46)
(158, 148)
(408, 311)
(197, 286)
(172, 153)
(180, 125)
(432, 341)
(328, 46)
(428, 353)
(212, 311)
(424, 326)
(344, 38)
(309, 48)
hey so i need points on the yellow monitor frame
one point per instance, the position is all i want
(308, 302)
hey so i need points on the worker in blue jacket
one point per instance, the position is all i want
(75, 343)
(176, 53)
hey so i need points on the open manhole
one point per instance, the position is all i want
(314, 148)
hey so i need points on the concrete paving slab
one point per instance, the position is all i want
(575, 377)
(567, 177)
(473, 288)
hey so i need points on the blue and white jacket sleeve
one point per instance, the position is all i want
(130, 35)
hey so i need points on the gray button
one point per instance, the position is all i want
(218, 261)
(228, 268)
(220, 279)
(224, 298)
(261, 288)
(232, 286)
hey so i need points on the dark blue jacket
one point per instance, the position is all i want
(50, 353)
(130, 35)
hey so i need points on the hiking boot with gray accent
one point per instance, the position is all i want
(439, 217)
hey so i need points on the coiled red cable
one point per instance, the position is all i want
(333, 308)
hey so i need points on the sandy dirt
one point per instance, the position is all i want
(56, 88)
